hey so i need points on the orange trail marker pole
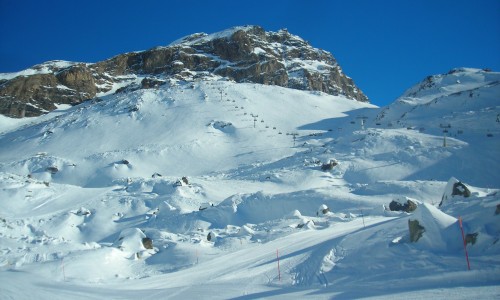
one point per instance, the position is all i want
(465, 244)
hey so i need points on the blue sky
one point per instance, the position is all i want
(385, 46)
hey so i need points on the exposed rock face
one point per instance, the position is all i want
(79, 78)
(416, 230)
(36, 94)
(242, 54)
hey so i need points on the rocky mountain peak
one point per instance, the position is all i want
(242, 54)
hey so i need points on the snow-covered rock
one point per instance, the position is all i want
(454, 188)
(440, 231)
(133, 241)
(404, 203)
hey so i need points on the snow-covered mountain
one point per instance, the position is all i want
(242, 54)
(451, 98)
(198, 187)
(460, 106)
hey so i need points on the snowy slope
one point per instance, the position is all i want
(457, 98)
(462, 107)
(80, 188)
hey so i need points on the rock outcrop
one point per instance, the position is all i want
(453, 189)
(242, 54)
(404, 204)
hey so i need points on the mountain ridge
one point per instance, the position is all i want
(241, 54)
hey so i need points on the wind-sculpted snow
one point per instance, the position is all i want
(220, 179)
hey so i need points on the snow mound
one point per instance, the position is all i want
(222, 126)
(132, 241)
(479, 213)
(441, 231)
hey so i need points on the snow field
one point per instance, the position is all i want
(80, 188)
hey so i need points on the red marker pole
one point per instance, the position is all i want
(278, 258)
(465, 244)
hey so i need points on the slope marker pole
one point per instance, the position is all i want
(62, 266)
(465, 243)
(363, 217)
(278, 258)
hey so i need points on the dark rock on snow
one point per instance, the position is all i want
(454, 188)
(329, 165)
(416, 230)
(409, 206)
(471, 238)
(147, 243)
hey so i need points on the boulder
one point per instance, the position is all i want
(471, 238)
(322, 210)
(147, 243)
(403, 204)
(416, 230)
(329, 165)
(454, 188)
(460, 189)
(211, 237)
(133, 240)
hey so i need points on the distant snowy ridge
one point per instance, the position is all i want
(455, 81)
(459, 95)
